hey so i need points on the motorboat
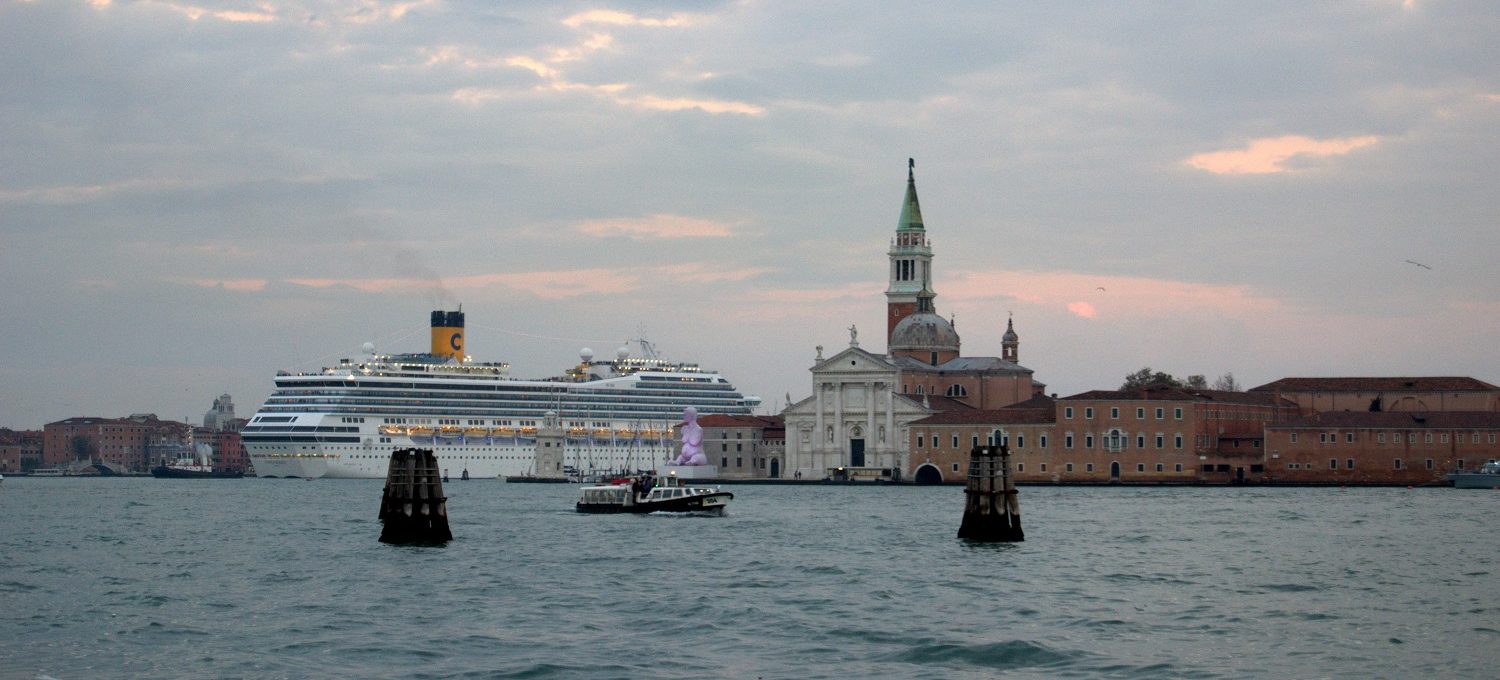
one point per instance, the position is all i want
(1486, 477)
(643, 494)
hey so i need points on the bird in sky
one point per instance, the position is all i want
(1419, 264)
(1100, 288)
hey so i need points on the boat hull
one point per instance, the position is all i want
(711, 502)
(163, 472)
(1475, 480)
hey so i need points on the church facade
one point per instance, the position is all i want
(856, 423)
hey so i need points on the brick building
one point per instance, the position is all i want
(130, 444)
(20, 450)
(1364, 447)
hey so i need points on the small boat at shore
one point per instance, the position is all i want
(648, 494)
(193, 463)
(1486, 477)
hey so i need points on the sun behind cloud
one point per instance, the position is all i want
(1270, 154)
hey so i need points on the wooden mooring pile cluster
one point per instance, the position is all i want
(992, 512)
(413, 507)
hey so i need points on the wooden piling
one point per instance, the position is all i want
(992, 511)
(413, 507)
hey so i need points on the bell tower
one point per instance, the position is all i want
(910, 288)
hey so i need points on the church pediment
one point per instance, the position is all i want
(854, 360)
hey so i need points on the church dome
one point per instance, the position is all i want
(926, 332)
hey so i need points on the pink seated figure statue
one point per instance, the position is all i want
(692, 440)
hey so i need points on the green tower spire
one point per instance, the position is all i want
(911, 211)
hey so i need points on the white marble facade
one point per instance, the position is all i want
(854, 418)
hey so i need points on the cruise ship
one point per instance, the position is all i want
(610, 414)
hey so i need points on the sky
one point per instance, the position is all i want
(194, 196)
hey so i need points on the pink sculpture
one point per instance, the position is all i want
(692, 440)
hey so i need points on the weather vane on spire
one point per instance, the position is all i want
(911, 167)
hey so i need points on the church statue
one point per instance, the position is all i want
(692, 440)
(853, 335)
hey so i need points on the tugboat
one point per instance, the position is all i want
(187, 467)
(645, 494)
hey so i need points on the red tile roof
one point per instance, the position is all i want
(1004, 416)
(1394, 384)
(722, 420)
(1166, 393)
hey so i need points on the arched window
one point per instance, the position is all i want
(1115, 440)
(957, 391)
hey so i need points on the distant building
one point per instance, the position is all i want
(744, 447)
(1322, 395)
(20, 450)
(221, 416)
(856, 423)
(130, 444)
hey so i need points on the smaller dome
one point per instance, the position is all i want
(924, 331)
(1010, 332)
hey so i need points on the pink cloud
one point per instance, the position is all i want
(1083, 309)
(240, 285)
(1268, 155)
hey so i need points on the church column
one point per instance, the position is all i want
(841, 446)
(819, 440)
(872, 445)
(891, 442)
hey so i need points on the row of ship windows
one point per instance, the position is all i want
(1411, 438)
(1089, 467)
(695, 384)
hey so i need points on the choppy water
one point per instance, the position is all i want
(285, 578)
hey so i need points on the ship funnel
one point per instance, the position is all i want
(448, 334)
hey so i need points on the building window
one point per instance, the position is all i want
(1398, 463)
(1177, 413)
(1443, 439)
(934, 441)
(1429, 463)
(1043, 437)
(1178, 467)
(920, 439)
(1349, 464)
(1140, 467)
(1114, 413)
(1476, 437)
(1020, 441)
(739, 462)
(1088, 468)
(1088, 413)
(1140, 413)
(957, 391)
(955, 441)
(1020, 467)
(1068, 413)
(1161, 440)
(1426, 437)
(738, 448)
(975, 443)
(1161, 413)
(1294, 437)
(1140, 440)
(1044, 467)
(1380, 438)
(1177, 441)
(1333, 463)
(1114, 441)
(724, 462)
(1068, 440)
(1069, 467)
(1411, 437)
(955, 467)
(1088, 441)
(1160, 467)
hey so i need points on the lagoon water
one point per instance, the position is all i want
(260, 578)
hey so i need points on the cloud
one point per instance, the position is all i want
(1268, 155)
(1083, 309)
(544, 285)
(1124, 296)
(658, 226)
(617, 18)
